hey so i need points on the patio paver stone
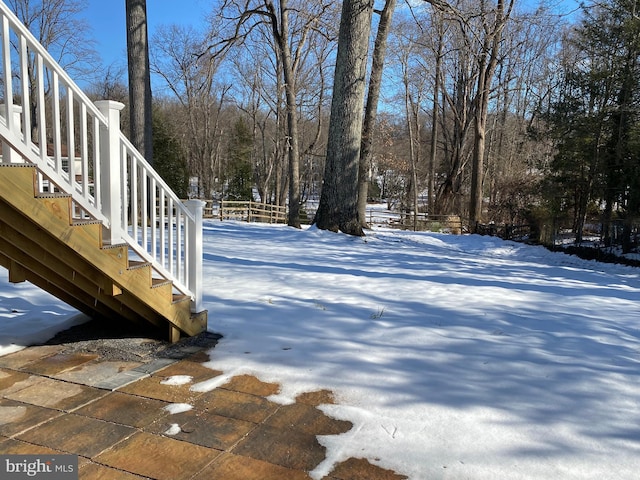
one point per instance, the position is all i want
(125, 409)
(151, 387)
(206, 429)
(234, 467)
(17, 417)
(96, 373)
(362, 469)
(12, 446)
(77, 434)
(307, 419)
(316, 398)
(8, 378)
(47, 392)
(61, 362)
(288, 447)
(242, 406)
(21, 358)
(252, 385)
(158, 457)
(94, 471)
(196, 371)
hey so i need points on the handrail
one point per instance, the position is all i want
(59, 116)
(78, 149)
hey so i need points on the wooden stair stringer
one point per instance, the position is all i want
(105, 267)
(57, 269)
(48, 286)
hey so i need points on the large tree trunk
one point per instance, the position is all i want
(139, 78)
(477, 167)
(487, 66)
(411, 110)
(371, 108)
(433, 148)
(292, 118)
(338, 209)
(414, 138)
(435, 117)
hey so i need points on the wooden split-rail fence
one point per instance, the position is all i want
(250, 211)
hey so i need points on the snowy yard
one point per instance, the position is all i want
(454, 356)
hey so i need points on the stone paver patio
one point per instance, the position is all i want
(112, 411)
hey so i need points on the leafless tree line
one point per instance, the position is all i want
(460, 92)
(459, 98)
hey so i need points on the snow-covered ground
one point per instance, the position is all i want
(456, 357)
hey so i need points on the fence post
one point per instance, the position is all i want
(111, 170)
(194, 244)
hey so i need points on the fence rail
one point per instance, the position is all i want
(251, 211)
(505, 231)
(419, 222)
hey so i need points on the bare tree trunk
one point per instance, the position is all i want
(338, 209)
(487, 66)
(412, 127)
(480, 128)
(293, 148)
(139, 77)
(371, 108)
(279, 149)
(458, 114)
(433, 151)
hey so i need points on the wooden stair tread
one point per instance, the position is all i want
(177, 298)
(81, 221)
(134, 264)
(52, 195)
(109, 246)
(160, 282)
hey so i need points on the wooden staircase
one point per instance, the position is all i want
(40, 242)
(82, 214)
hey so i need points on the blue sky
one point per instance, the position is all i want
(107, 21)
(106, 18)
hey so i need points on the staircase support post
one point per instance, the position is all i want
(196, 207)
(111, 170)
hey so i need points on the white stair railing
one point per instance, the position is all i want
(78, 149)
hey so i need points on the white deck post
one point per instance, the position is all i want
(9, 155)
(194, 244)
(110, 170)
